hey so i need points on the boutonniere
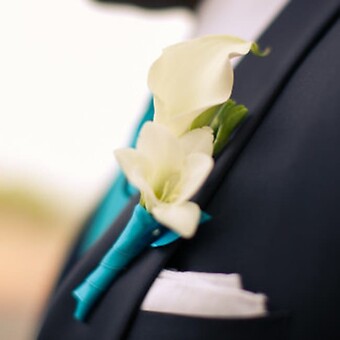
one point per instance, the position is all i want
(194, 119)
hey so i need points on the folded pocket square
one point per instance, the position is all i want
(203, 294)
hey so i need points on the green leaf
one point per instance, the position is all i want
(232, 118)
(221, 114)
(256, 50)
(205, 118)
(223, 119)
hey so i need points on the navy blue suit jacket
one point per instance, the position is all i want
(274, 196)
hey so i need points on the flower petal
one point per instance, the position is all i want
(137, 168)
(183, 218)
(163, 149)
(198, 167)
(198, 140)
(192, 76)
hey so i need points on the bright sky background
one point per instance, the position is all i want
(72, 84)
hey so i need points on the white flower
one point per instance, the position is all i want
(168, 171)
(193, 76)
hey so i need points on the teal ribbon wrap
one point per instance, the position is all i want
(117, 198)
(141, 231)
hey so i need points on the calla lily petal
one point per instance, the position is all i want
(192, 76)
(181, 218)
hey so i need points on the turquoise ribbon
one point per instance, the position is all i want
(116, 198)
(169, 236)
(141, 231)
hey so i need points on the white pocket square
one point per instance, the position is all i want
(203, 294)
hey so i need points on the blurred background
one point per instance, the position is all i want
(72, 85)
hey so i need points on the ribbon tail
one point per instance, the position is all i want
(169, 236)
(138, 234)
(91, 290)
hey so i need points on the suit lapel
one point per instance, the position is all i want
(258, 83)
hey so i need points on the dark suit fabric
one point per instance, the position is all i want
(155, 4)
(274, 196)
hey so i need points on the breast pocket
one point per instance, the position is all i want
(162, 326)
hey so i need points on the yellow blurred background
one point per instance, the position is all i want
(72, 84)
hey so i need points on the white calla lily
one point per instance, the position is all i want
(168, 172)
(192, 76)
